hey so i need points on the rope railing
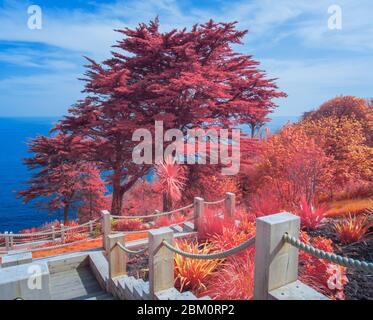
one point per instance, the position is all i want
(211, 256)
(126, 250)
(214, 202)
(332, 257)
(25, 235)
(48, 232)
(81, 225)
(156, 215)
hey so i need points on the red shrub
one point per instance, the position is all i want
(231, 237)
(128, 225)
(325, 277)
(162, 222)
(165, 221)
(72, 237)
(265, 202)
(234, 281)
(211, 225)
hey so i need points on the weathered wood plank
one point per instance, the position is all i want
(70, 263)
(78, 284)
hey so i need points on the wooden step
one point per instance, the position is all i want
(76, 284)
(141, 290)
(188, 226)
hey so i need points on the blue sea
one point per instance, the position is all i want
(14, 133)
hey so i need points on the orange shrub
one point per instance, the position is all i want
(352, 228)
(192, 274)
(247, 224)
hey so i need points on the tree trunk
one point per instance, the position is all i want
(116, 201)
(66, 213)
(252, 131)
(166, 203)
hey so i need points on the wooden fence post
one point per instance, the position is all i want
(161, 261)
(116, 256)
(11, 240)
(90, 223)
(7, 246)
(276, 262)
(106, 229)
(230, 205)
(62, 227)
(199, 211)
(53, 233)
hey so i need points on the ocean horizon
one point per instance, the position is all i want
(14, 134)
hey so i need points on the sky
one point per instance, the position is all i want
(39, 68)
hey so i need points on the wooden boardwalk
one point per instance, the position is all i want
(77, 284)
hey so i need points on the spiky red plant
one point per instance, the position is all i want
(352, 228)
(171, 177)
(311, 217)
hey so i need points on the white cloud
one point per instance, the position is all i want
(336, 64)
(41, 59)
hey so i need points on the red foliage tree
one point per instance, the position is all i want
(143, 198)
(61, 182)
(91, 193)
(184, 78)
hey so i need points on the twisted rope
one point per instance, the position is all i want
(332, 257)
(154, 215)
(25, 235)
(211, 256)
(81, 225)
(126, 250)
(44, 233)
(214, 202)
